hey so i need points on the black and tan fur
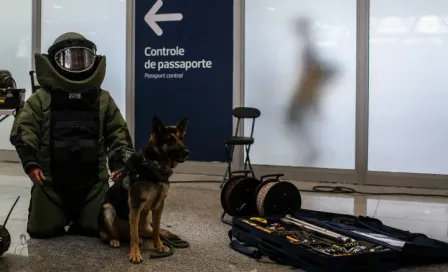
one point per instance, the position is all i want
(140, 191)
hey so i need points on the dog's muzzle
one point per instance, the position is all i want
(183, 155)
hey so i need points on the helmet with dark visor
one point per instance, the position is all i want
(74, 55)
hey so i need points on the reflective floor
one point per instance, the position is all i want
(192, 211)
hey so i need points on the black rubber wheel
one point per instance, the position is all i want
(224, 190)
(5, 240)
(267, 179)
(262, 184)
(278, 198)
(238, 196)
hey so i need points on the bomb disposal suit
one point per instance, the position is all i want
(70, 129)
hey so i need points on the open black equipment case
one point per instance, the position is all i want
(391, 248)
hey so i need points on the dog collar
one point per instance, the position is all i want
(155, 165)
(163, 172)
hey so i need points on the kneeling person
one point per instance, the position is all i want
(65, 135)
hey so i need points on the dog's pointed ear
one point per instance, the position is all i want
(157, 126)
(182, 125)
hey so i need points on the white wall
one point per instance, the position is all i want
(15, 51)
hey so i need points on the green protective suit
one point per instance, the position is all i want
(76, 184)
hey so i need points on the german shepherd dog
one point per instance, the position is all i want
(134, 203)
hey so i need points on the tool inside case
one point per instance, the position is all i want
(322, 241)
(312, 237)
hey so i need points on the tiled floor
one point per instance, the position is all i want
(193, 211)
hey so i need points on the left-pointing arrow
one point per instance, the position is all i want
(152, 18)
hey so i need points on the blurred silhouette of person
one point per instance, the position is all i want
(310, 85)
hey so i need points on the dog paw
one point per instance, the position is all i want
(162, 249)
(135, 258)
(114, 243)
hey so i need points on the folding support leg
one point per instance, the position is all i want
(223, 220)
(229, 154)
(247, 161)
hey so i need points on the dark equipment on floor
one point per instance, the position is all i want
(321, 241)
(241, 113)
(11, 98)
(5, 237)
(244, 195)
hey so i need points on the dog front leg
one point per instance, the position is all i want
(109, 222)
(134, 217)
(157, 217)
(135, 207)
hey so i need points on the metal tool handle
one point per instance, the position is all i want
(326, 234)
(315, 227)
(292, 220)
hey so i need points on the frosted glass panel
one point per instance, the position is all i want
(15, 51)
(408, 86)
(101, 21)
(285, 41)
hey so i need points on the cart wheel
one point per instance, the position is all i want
(277, 198)
(265, 180)
(237, 196)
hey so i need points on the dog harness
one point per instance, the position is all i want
(150, 164)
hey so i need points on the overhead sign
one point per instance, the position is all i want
(184, 67)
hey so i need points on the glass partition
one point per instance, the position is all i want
(284, 43)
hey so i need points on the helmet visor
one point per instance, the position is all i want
(75, 59)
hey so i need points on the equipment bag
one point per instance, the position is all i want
(11, 98)
(324, 241)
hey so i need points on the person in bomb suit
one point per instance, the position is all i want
(67, 135)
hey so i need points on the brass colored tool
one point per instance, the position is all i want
(288, 237)
(258, 227)
(260, 220)
(292, 239)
